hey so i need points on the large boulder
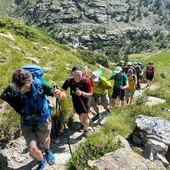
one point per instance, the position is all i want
(125, 159)
(153, 134)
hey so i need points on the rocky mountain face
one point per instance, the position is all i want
(115, 28)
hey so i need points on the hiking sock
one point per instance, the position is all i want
(41, 164)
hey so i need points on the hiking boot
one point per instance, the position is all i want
(50, 157)
(96, 117)
(86, 133)
(41, 164)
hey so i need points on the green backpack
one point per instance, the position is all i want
(101, 73)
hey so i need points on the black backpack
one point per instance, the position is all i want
(141, 65)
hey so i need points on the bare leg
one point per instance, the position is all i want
(47, 143)
(95, 107)
(36, 152)
(84, 120)
(112, 102)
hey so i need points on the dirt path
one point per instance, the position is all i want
(15, 155)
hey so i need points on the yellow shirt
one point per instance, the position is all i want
(131, 80)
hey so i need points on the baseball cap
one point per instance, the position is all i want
(118, 69)
(129, 64)
(75, 68)
(121, 61)
(95, 76)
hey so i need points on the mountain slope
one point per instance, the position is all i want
(115, 28)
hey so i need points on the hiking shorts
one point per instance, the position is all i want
(81, 106)
(41, 134)
(149, 77)
(118, 93)
(129, 92)
(102, 99)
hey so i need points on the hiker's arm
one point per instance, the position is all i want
(1, 101)
(126, 83)
(125, 87)
(84, 94)
(60, 93)
(89, 89)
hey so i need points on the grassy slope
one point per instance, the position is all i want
(15, 53)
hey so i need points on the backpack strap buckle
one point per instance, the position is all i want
(40, 90)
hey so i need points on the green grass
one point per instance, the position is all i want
(140, 56)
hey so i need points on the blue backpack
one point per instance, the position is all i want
(37, 73)
(38, 103)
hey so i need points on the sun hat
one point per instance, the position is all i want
(135, 63)
(95, 76)
(118, 69)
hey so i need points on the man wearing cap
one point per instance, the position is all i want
(129, 66)
(120, 84)
(100, 93)
(81, 91)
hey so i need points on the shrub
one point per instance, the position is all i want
(92, 148)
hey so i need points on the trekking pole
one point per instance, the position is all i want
(86, 111)
(62, 119)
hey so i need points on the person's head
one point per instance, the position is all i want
(129, 64)
(135, 63)
(118, 70)
(121, 62)
(95, 76)
(22, 80)
(77, 72)
(151, 63)
(130, 72)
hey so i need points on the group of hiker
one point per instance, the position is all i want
(27, 95)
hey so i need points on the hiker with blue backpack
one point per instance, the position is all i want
(26, 94)
(120, 84)
(81, 92)
(100, 92)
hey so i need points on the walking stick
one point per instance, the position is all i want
(86, 111)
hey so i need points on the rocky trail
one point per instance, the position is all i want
(15, 155)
